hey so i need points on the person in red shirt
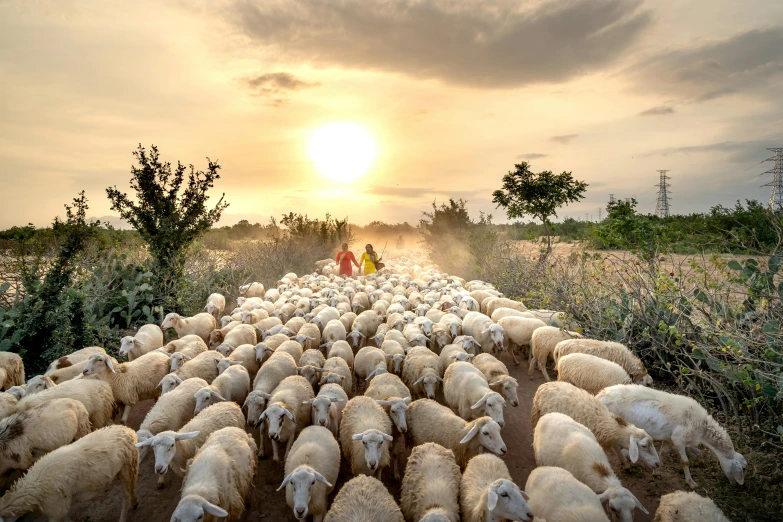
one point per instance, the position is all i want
(344, 259)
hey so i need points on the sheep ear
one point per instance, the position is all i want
(604, 497)
(407, 400)
(137, 342)
(187, 357)
(147, 442)
(639, 505)
(383, 403)
(738, 473)
(216, 395)
(214, 510)
(262, 416)
(471, 434)
(633, 450)
(525, 496)
(440, 379)
(289, 415)
(480, 402)
(321, 478)
(387, 438)
(286, 480)
(357, 436)
(492, 499)
(110, 365)
(334, 399)
(188, 435)
(453, 356)
(308, 401)
(420, 379)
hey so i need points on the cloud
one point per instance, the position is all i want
(749, 63)
(564, 139)
(737, 151)
(657, 111)
(532, 156)
(471, 42)
(274, 86)
(422, 192)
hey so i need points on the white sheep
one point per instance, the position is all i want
(467, 392)
(147, 338)
(500, 313)
(589, 372)
(498, 377)
(615, 352)
(487, 493)
(343, 350)
(8, 404)
(293, 348)
(244, 354)
(173, 449)
(389, 391)
(678, 421)
(231, 385)
(556, 496)
(688, 507)
(611, 431)
(560, 441)
(25, 436)
(429, 421)
(82, 469)
(452, 353)
(200, 324)
(216, 303)
(204, 365)
(95, 395)
(173, 409)
(336, 371)
(422, 372)
(11, 370)
(239, 335)
(73, 358)
(543, 343)
(219, 478)
(287, 413)
(309, 336)
(327, 407)
(362, 499)
(309, 365)
(271, 374)
(18, 391)
(254, 289)
(431, 485)
(130, 382)
(468, 343)
(191, 345)
(518, 332)
(365, 434)
(333, 331)
(369, 361)
(488, 335)
(501, 302)
(311, 470)
(38, 384)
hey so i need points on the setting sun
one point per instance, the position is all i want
(342, 151)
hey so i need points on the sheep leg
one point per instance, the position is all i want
(532, 362)
(129, 499)
(684, 460)
(161, 481)
(125, 414)
(542, 367)
(261, 448)
(275, 456)
(288, 446)
(623, 460)
(511, 351)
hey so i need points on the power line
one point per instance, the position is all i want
(662, 206)
(776, 197)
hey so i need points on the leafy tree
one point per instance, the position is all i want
(539, 195)
(168, 216)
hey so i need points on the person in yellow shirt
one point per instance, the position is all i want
(369, 259)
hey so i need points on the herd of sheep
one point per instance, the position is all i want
(318, 368)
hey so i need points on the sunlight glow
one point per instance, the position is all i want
(342, 151)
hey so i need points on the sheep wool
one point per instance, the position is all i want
(11, 370)
(362, 499)
(589, 372)
(95, 395)
(431, 483)
(615, 352)
(542, 345)
(688, 507)
(556, 496)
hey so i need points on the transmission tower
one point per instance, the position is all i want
(662, 207)
(599, 214)
(611, 199)
(776, 198)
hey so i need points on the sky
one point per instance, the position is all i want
(453, 93)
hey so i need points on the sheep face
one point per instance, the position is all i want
(418, 340)
(225, 349)
(170, 321)
(641, 446)
(97, 364)
(223, 364)
(441, 338)
(621, 503)
(734, 468)
(396, 361)
(422, 309)
(426, 326)
(398, 409)
(38, 384)
(216, 336)
(644, 380)
(17, 391)
(373, 441)
(261, 352)
(168, 383)
(488, 433)
(319, 410)
(309, 372)
(506, 501)
(492, 405)
(127, 344)
(212, 309)
(141, 436)
(177, 360)
(462, 356)
(468, 343)
(496, 333)
(164, 446)
(429, 384)
(223, 322)
(255, 404)
(302, 339)
(507, 386)
(355, 338)
(206, 397)
(276, 418)
(192, 508)
(454, 328)
(301, 480)
(332, 378)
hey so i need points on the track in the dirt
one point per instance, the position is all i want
(269, 505)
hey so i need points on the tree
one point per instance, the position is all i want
(168, 217)
(539, 195)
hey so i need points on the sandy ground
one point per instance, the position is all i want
(268, 505)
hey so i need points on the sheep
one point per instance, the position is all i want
(502, 302)
(678, 421)
(367, 323)
(347, 319)
(310, 472)
(550, 317)
(365, 434)
(543, 343)
(589, 372)
(440, 337)
(231, 385)
(72, 358)
(271, 374)
(147, 338)
(61, 375)
(51, 484)
(239, 335)
(11, 370)
(326, 409)
(254, 316)
(470, 304)
(560, 441)
(172, 410)
(287, 412)
(266, 324)
(309, 365)
(615, 352)
(26, 436)
(368, 360)
(500, 313)
(337, 371)
(203, 365)
(130, 382)
(414, 336)
(245, 355)
(343, 350)
(688, 507)
(518, 331)
(390, 392)
(17, 391)
(219, 478)
(556, 496)
(488, 335)
(452, 353)
(333, 331)
(361, 499)
(468, 343)
(96, 396)
(611, 431)
(395, 356)
(394, 335)
(173, 449)
(253, 289)
(216, 303)
(190, 344)
(38, 384)
(487, 493)
(309, 336)
(429, 421)
(468, 394)
(200, 324)
(431, 485)
(422, 371)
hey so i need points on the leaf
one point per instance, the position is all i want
(4, 287)
(144, 287)
(5, 345)
(146, 310)
(734, 265)
(775, 262)
(772, 327)
(116, 309)
(7, 324)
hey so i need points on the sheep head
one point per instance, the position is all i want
(621, 503)
(505, 501)
(191, 508)
(319, 409)
(492, 405)
(398, 409)
(488, 433)
(255, 404)
(373, 441)
(301, 480)
(164, 446)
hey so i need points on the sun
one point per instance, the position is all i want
(342, 151)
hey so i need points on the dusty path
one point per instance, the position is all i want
(268, 505)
